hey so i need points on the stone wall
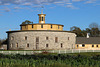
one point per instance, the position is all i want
(16, 40)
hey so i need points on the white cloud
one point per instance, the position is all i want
(58, 2)
(72, 7)
(77, 0)
(90, 1)
(6, 9)
(68, 3)
(27, 4)
(18, 8)
(6, 4)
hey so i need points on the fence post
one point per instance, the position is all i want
(72, 50)
(39, 51)
(93, 50)
(79, 50)
(31, 52)
(24, 52)
(9, 52)
(59, 51)
(53, 51)
(65, 51)
(86, 50)
(2, 51)
(17, 52)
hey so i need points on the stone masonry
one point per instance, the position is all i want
(65, 40)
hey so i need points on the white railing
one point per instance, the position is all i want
(49, 51)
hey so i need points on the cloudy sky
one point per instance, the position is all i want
(70, 13)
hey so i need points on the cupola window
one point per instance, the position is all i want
(42, 18)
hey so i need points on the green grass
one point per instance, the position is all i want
(51, 60)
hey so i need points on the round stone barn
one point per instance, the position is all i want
(40, 36)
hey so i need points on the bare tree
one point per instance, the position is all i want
(93, 25)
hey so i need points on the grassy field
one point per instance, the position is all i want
(51, 60)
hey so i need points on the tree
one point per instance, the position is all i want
(93, 25)
(94, 30)
(27, 22)
(77, 31)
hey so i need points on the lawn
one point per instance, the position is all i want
(51, 60)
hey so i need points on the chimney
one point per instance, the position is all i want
(87, 35)
(9, 29)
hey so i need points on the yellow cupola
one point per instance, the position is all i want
(42, 17)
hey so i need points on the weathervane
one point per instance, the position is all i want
(42, 10)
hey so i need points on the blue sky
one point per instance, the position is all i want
(70, 13)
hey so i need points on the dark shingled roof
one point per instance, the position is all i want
(90, 40)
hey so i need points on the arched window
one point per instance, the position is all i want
(12, 38)
(92, 45)
(11, 45)
(47, 45)
(32, 26)
(96, 45)
(41, 25)
(16, 44)
(51, 26)
(58, 27)
(42, 18)
(27, 45)
(25, 37)
(61, 45)
(47, 38)
(56, 39)
(68, 38)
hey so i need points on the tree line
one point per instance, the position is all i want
(93, 30)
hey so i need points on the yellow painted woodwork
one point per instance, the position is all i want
(41, 22)
(41, 18)
(87, 46)
(45, 27)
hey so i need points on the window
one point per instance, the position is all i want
(68, 38)
(27, 45)
(12, 38)
(46, 45)
(42, 26)
(16, 44)
(32, 26)
(58, 27)
(37, 39)
(42, 18)
(83, 45)
(47, 38)
(25, 26)
(96, 45)
(92, 45)
(77, 46)
(11, 45)
(25, 37)
(56, 39)
(61, 45)
(51, 26)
